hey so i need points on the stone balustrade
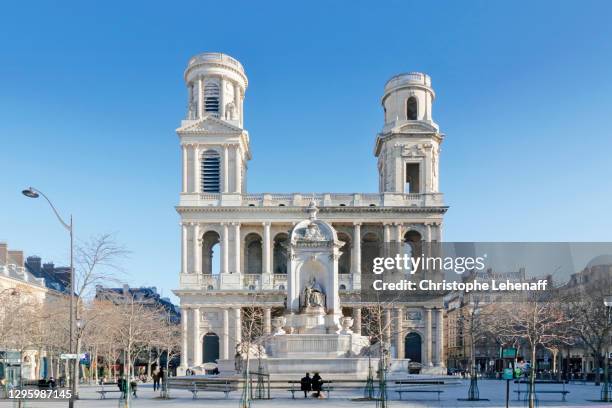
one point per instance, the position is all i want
(323, 200)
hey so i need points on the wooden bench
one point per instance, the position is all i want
(104, 392)
(418, 382)
(562, 392)
(518, 391)
(400, 392)
(328, 389)
(196, 387)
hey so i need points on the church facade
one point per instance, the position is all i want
(236, 244)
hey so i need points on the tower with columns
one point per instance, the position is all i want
(234, 243)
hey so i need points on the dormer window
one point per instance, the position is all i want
(411, 108)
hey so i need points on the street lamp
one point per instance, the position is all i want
(605, 392)
(31, 192)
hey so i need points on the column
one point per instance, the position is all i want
(428, 338)
(197, 253)
(225, 249)
(184, 334)
(357, 320)
(440, 337)
(197, 345)
(222, 97)
(197, 188)
(238, 323)
(184, 244)
(266, 248)
(387, 233)
(200, 98)
(184, 168)
(399, 334)
(237, 172)
(237, 247)
(387, 326)
(356, 267)
(398, 233)
(225, 336)
(225, 170)
(237, 101)
(428, 232)
(267, 320)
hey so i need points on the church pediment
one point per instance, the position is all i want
(209, 124)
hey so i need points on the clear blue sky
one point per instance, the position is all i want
(91, 93)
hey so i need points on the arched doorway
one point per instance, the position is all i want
(412, 347)
(210, 348)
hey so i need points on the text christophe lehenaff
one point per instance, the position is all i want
(459, 265)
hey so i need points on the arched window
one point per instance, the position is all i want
(279, 262)
(253, 249)
(411, 108)
(211, 98)
(211, 171)
(210, 253)
(344, 263)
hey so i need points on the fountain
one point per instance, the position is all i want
(313, 335)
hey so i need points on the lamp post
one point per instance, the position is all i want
(31, 192)
(605, 392)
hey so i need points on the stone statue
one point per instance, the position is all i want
(313, 294)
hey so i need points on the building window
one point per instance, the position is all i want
(253, 246)
(411, 108)
(279, 261)
(211, 99)
(412, 178)
(211, 171)
(211, 248)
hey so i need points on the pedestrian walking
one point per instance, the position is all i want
(156, 378)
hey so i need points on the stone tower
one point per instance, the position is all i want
(408, 147)
(214, 142)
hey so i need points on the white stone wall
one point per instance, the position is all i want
(212, 303)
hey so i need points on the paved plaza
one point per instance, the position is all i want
(579, 396)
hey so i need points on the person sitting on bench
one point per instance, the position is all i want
(306, 384)
(317, 384)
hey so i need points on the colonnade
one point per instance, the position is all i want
(228, 329)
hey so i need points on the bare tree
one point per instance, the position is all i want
(252, 343)
(97, 261)
(590, 324)
(380, 324)
(168, 341)
(537, 320)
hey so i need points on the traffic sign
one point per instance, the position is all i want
(507, 375)
(69, 356)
